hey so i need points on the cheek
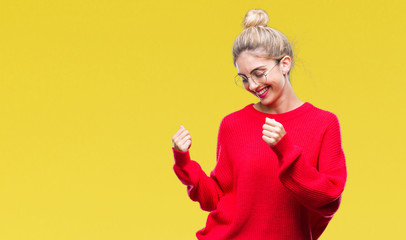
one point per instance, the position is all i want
(275, 83)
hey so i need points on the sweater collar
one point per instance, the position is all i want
(286, 115)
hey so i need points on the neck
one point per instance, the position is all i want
(287, 101)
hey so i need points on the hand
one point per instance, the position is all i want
(272, 132)
(182, 140)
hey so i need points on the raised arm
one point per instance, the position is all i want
(201, 188)
(318, 189)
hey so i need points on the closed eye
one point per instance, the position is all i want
(258, 74)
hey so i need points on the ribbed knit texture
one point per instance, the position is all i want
(288, 191)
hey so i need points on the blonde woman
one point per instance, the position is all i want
(280, 169)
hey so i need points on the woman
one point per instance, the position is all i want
(280, 169)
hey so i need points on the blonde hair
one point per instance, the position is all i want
(257, 36)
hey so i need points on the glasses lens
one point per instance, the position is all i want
(239, 81)
(259, 77)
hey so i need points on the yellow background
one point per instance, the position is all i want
(91, 93)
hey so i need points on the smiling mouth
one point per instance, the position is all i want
(261, 93)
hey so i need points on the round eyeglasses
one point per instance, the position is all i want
(256, 75)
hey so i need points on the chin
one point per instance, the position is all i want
(268, 100)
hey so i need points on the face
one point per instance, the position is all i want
(273, 88)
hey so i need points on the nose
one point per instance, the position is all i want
(252, 85)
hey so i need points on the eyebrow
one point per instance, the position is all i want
(253, 70)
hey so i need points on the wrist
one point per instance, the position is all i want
(181, 158)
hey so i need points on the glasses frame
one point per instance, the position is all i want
(238, 77)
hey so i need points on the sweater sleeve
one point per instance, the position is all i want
(318, 189)
(207, 190)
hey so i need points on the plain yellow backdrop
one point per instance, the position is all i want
(91, 93)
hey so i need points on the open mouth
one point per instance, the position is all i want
(263, 92)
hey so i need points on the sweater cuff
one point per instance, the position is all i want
(282, 147)
(181, 158)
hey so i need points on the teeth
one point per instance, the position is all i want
(263, 91)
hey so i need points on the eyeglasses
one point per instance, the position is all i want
(257, 76)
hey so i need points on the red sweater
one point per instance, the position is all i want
(288, 191)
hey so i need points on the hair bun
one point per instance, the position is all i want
(255, 17)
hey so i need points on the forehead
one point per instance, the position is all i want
(247, 61)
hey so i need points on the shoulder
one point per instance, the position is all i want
(234, 118)
(322, 112)
(324, 117)
(236, 115)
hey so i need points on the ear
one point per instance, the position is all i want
(285, 63)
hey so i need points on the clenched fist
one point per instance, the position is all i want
(182, 140)
(272, 132)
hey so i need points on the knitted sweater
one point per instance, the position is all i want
(288, 191)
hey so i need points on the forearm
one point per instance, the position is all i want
(200, 187)
(319, 191)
